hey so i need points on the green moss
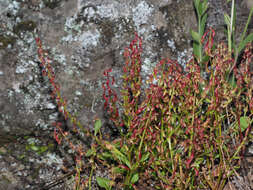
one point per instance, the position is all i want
(24, 26)
(6, 40)
(39, 149)
(51, 3)
(107, 30)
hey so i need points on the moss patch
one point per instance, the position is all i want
(6, 40)
(24, 26)
(51, 3)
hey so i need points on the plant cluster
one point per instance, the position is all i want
(186, 130)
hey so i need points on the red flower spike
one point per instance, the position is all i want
(56, 136)
(65, 114)
(44, 73)
(203, 37)
(37, 41)
(126, 52)
(113, 80)
(140, 155)
(124, 167)
(188, 162)
(196, 172)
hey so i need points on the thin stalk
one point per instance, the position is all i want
(169, 133)
(91, 174)
(192, 123)
(144, 132)
(200, 46)
(232, 16)
(241, 39)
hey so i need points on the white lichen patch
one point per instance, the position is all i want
(71, 24)
(15, 87)
(184, 56)
(53, 117)
(32, 141)
(67, 38)
(147, 68)
(89, 38)
(23, 67)
(13, 7)
(60, 58)
(31, 102)
(141, 14)
(50, 106)
(89, 12)
(111, 11)
(51, 159)
(41, 124)
(4, 4)
(78, 93)
(171, 44)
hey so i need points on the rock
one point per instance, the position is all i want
(248, 3)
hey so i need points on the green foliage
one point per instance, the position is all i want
(245, 122)
(105, 183)
(244, 40)
(98, 125)
(201, 10)
(37, 148)
(51, 3)
(24, 26)
(181, 128)
(6, 40)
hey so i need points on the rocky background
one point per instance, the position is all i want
(83, 38)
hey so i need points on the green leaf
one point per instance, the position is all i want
(205, 6)
(199, 161)
(106, 156)
(203, 24)
(90, 152)
(244, 123)
(202, 7)
(244, 42)
(43, 149)
(103, 182)
(196, 5)
(237, 158)
(227, 20)
(135, 178)
(234, 18)
(145, 157)
(205, 59)
(196, 37)
(118, 170)
(232, 81)
(120, 156)
(34, 148)
(196, 52)
(98, 125)
(123, 158)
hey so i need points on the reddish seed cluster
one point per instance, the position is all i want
(110, 96)
(182, 100)
(209, 43)
(47, 71)
(131, 83)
